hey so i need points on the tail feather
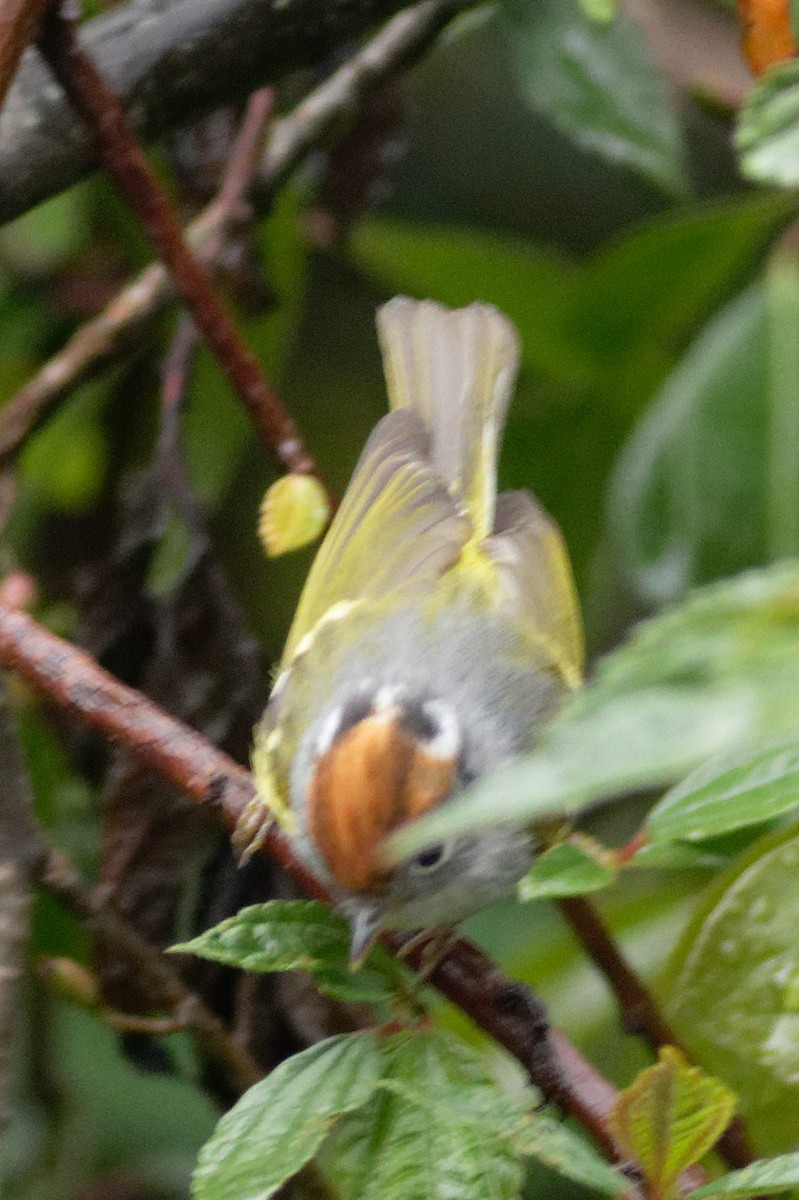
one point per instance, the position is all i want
(457, 369)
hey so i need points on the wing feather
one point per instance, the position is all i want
(398, 529)
(534, 577)
(457, 368)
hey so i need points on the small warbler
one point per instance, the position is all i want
(437, 630)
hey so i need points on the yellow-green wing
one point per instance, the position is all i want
(534, 582)
(396, 532)
(457, 369)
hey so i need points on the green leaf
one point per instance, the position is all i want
(299, 935)
(439, 1126)
(733, 985)
(719, 671)
(599, 10)
(782, 289)
(279, 1124)
(669, 1117)
(527, 282)
(761, 1178)
(613, 323)
(741, 790)
(680, 487)
(598, 83)
(676, 856)
(559, 1147)
(568, 869)
(643, 296)
(767, 137)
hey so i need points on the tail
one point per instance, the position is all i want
(457, 369)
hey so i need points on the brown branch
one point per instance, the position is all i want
(124, 159)
(507, 1011)
(19, 26)
(171, 64)
(21, 849)
(126, 321)
(639, 1010)
(165, 986)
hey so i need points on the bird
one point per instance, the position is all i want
(437, 632)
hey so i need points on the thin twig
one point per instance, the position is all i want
(127, 320)
(639, 1010)
(19, 26)
(124, 159)
(21, 850)
(165, 986)
(230, 205)
(507, 1011)
(171, 64)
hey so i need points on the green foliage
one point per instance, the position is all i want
(597, 81)
(656, 418)
(764, 1178)
(280, 1123)
(677, 498)
(438, 1126)
(396, 1116)
(299, 935)
(557, 1145)
(568, 869)
(768, 128)
(668, 1119)
(741, 950)
(739, 790)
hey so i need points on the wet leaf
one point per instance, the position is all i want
(766, 1177)
(731, 794)
(279, 1124)
(569, 869)
(439, 1125)
(598, 83)
(732, 985)
(298, 935)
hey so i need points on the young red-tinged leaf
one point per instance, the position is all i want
(299, 935)
(668, 1119)
(439, 1126)
(280, 1123)
(568, 869)
(766, 1177)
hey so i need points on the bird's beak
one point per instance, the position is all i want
(365, 924)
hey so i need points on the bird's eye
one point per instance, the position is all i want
(431, 858)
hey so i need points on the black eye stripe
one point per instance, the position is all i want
(419, 722)
(355, 710)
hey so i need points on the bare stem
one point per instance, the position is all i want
(122, 326)
(124, 159)
(164, 985)
(19, 26)
(639, 1010)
